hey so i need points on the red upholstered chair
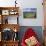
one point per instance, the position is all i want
(28, 34)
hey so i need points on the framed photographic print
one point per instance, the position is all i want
(5, 12)
(29, 12)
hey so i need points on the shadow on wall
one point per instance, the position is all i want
(37, 29)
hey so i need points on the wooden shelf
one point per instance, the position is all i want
(10, 26)
(9, 43)
(7, 13)
(4, 24)
(9, 8)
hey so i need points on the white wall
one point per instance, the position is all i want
(27, 4)
(32, 4)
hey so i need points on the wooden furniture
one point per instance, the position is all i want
(7, 23)
(44, 6)
(10, 43)
(5, 12)
(0, 43)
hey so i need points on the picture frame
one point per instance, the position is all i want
(29, 12)
(5, 12)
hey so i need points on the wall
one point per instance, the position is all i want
(28, 22)
(27, 4)
(32, 4)
(38, 30)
